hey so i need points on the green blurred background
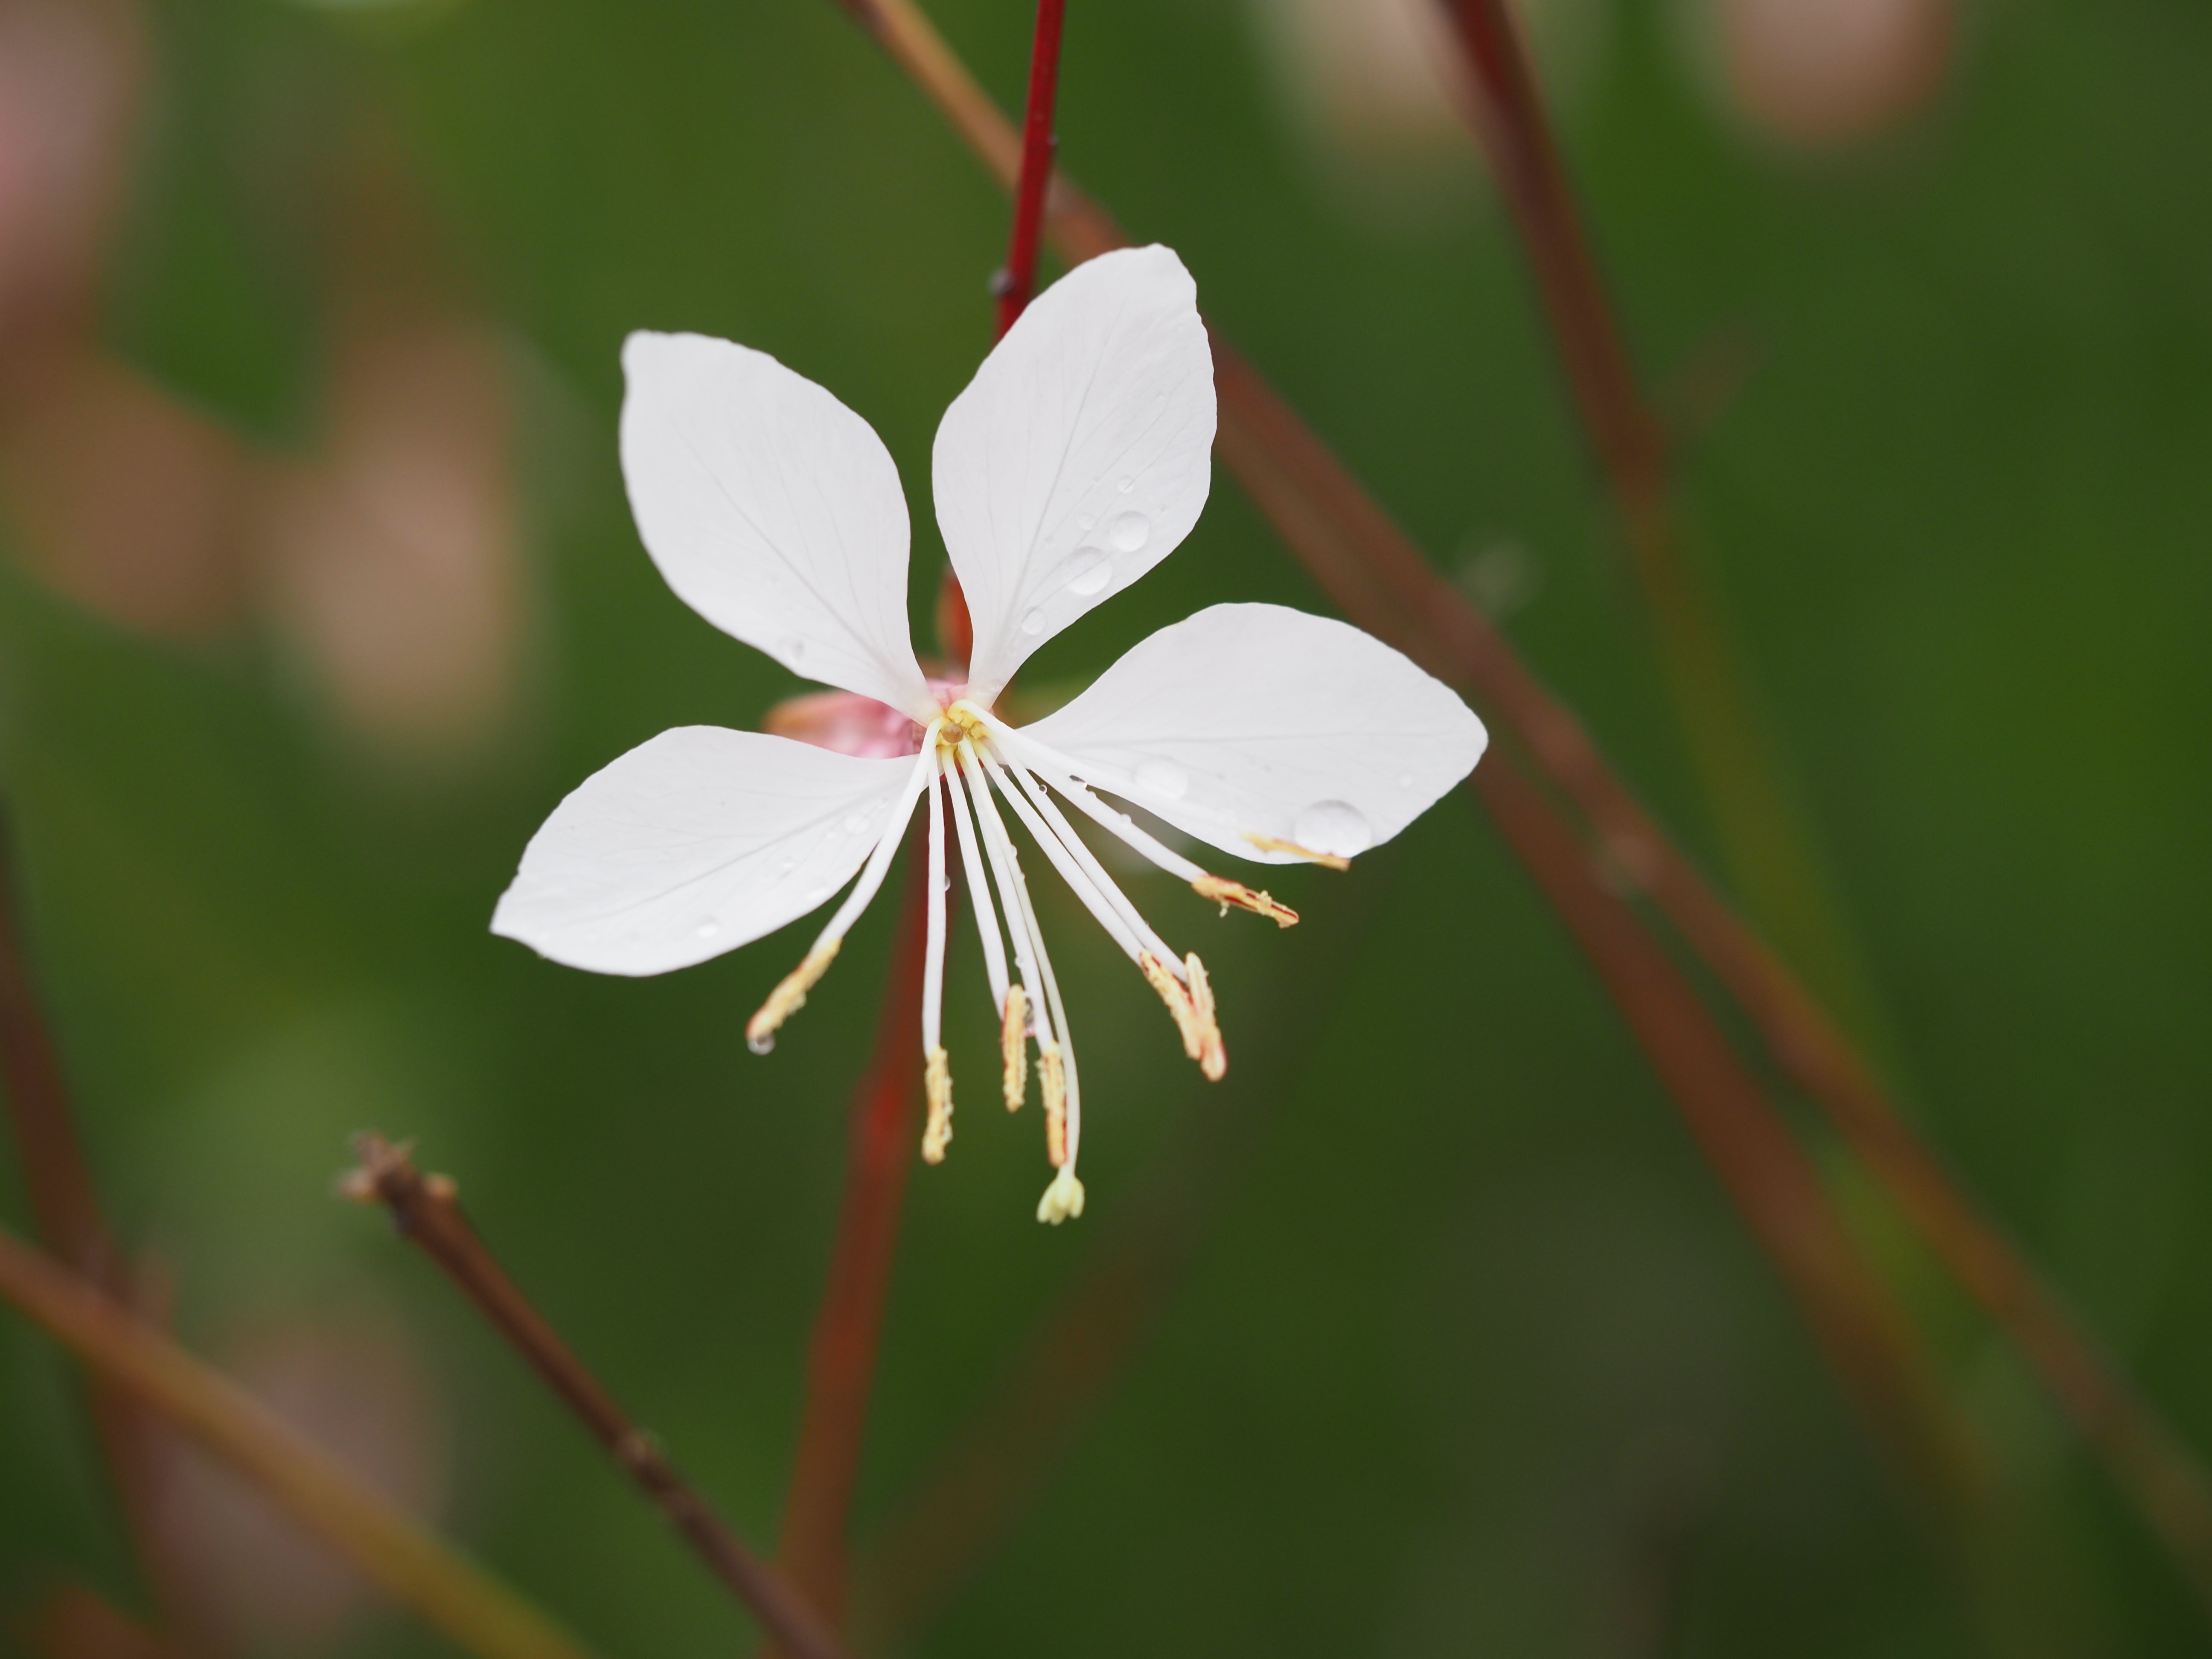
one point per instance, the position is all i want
(321, 590)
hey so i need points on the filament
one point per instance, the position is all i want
(1078, 882)
(1006, 871)
(933, 973)
(979, 889)
(1108, 889)
(790, 995)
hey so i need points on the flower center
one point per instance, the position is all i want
(963, 719)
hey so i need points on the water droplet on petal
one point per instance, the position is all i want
(708, 928)
(786, 866)
(1129, 531)
(1163, 778)
(1334, 826)
(791, 648)
(816, 894)
(1404, 780)
(761, 1045)
(1093, 574)
(1033, 624)
(1125, 485)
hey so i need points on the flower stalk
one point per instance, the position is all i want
(814, 1549)
(1018, 279)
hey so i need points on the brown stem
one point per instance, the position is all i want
(1765, 1169)
(1379, 579)
(66, 1216)
(1767, 844)
(1630, 443)
(426, 1210)
(64, 1207)
(443, 1588)
(842, 1359)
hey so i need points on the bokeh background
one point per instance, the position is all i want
(319, 589)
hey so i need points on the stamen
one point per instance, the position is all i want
(979, 889)
(932, 959)
(1006, 872)
(1276, 844)
(1052, 1066)
(1057, 771)
(1076, 848)
(1062, 1200)
(937, 1079)
(1178, 1001)
(1014, 1048)
(1226, 893)
(1055, 1045)
(1212, 1057)
(789, 996)
(1078, 883)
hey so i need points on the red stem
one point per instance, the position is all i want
(841, 1365)
(1018, 280)
(841, 1360)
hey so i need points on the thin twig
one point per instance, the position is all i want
(1630, 440)
(426, 1210)
(65, 1208)
(816, 1548)
(1377, 575)
(1767, 843)
(66, 1214)
(443, 1588)
(1761, 1163)
(1018, 279)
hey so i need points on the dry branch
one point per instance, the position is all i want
(426, 1210)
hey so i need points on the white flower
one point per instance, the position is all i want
(1074, 462)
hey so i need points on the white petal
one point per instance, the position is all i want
(693, 844)
(1253, 720)
(773, 510)
(1078, 456)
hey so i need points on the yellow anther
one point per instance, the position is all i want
(789, 997)
(1163, 980)
(1276, 844)
(1055, 1073)
(1226, 893)
(1014, 1047)
(1062, 1200)
(937, 1080)
(1212, 1059)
